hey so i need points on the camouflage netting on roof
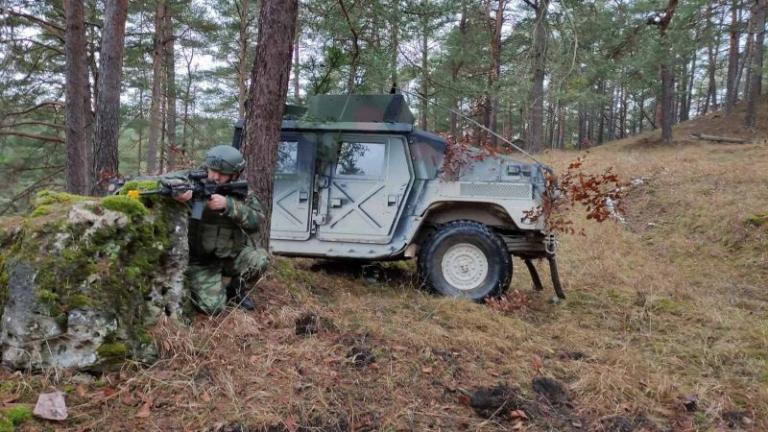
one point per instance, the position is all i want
(82, 280)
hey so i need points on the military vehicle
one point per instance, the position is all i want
(356, 180)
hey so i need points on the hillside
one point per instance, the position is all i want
(664, 327)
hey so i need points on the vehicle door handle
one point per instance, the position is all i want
(392, 200)
(303, 196)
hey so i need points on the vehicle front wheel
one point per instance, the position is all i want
(465, 259)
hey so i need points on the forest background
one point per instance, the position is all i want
(565, 74)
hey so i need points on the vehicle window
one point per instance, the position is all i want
(361, 159)
(287, 159)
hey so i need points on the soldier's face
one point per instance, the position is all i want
(218, 177)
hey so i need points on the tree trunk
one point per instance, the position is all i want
(395, 42)
(424, 105)
(76, 88)
(667, 76)
(107, 129)
(536, 99)
(155, 117)
(756, 75)
(242, 56)
(296, 63)
(187, 100)
(712, 49)
(268, 89)
(170, 93)
(732, 89)
(495, 69)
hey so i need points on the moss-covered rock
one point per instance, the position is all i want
(81, 281)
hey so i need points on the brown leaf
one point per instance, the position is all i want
(80, 390)
(145, 410)
(426, 370)
(291, 425)
(464, 399)
(537, 363)
(518, 414)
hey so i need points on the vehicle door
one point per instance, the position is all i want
(292, 194)
(366, 189)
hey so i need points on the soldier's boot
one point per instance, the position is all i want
(236, 293)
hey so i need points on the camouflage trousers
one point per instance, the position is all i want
(205, 276)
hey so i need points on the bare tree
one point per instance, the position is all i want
(267, 94)
(77, 91)
(105, 161)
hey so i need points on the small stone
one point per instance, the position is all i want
(51, 406)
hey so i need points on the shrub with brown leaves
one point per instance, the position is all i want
(601, 195)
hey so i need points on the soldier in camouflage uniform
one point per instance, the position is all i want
(220, 243)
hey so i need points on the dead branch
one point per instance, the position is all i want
(716, 138)
(38, 106)
(48, 138)
(35, 123)
(27, 191)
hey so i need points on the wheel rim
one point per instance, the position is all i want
(464, 266)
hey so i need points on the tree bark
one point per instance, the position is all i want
(155, 114)
(536, 99)
(424, 106)
(732, 89)
(242, 55)
(667, 76)
(170, 93)
(495, 69)
(268, 89)
(756, 75)
(76, 89)
(107, 130)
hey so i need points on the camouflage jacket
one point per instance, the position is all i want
(222, 233)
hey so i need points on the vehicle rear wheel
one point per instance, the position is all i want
(465, 259)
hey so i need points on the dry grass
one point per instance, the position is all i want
(670, 305)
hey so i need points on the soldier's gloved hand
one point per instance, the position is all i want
(217, 202)
(183, 197)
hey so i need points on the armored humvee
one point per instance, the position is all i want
(355, 179)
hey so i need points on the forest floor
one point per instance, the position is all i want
(665, 327)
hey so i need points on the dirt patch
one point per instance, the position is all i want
(551, 389)
(497, 401)
(310, 324)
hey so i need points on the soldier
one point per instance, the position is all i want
(220, 243)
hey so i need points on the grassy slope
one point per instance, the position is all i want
(671, 304)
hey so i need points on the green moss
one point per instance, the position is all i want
(47, 296)
(41, 210)
(758, 219)
(6, 425)
(113, 351)
(121, 203)
(139, 185)
(18, 414)
(79, 301)
(48, 197)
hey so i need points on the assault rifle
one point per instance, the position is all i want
(201, 190)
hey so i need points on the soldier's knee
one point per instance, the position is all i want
(252, 261)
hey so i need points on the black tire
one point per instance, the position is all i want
(480, 252)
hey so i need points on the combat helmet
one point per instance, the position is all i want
(225, 159)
